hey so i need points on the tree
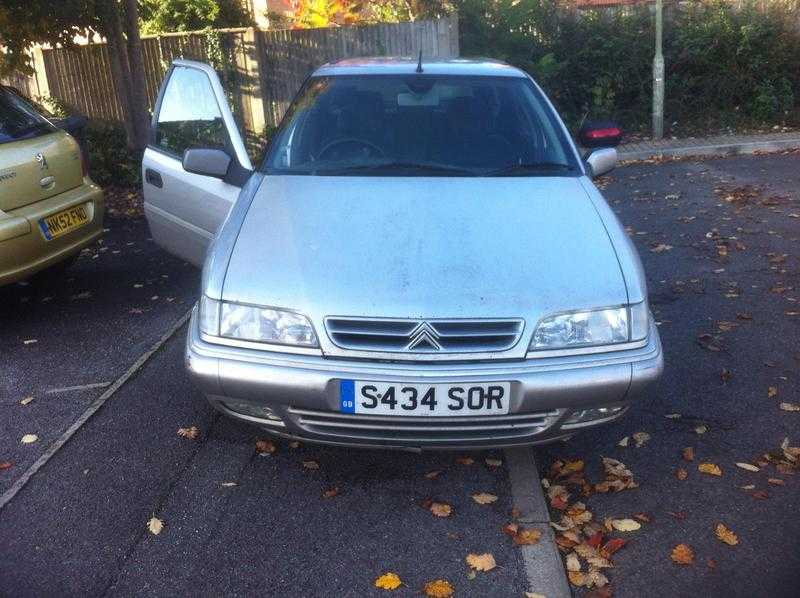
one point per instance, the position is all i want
(159, 16)
(27, 22)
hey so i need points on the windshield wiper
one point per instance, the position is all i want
(530, 168)
(427, 167)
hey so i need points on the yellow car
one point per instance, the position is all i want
(49, 207)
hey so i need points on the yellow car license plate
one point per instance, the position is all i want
(63, 222)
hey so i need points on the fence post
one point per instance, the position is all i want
(252, 51)
(40, 73)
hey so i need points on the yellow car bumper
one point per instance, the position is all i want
(24, 246)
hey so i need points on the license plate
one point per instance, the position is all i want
(424, 400)
(63, 222)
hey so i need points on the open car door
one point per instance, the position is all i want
(184, 209)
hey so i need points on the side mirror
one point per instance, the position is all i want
(73, 124)
(208, 162)
(600, 134)
(601, 161)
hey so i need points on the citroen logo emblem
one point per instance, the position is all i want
(42, 161)
(424, 338)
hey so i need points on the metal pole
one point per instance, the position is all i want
(658, 74)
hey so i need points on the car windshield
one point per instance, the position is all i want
(420, 125)
(18, 119)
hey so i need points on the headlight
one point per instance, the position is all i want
(258, 324)
(592, 328)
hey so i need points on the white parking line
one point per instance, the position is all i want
(90, 411)
(543, 567)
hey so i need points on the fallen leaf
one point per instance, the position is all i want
(527, 537)
(701, 429)
(711, 564)
(30, 341)
(493, 462)
(660, 248)
(438, 588)
(710, 469)
(26, 400)
(228, 484)
(688, 453)
(388, 581)
(576, 578)
(511, 529)
(744, 316)
(625, 525)
(748, 466)
(760, 495)
(265, 447)
(481, 562)
(440, 509)
(673, 416)
(624, 441)
(190, 433)
(725, 375)
(725, 535)
(483, 498)
(465, 460)
(294, 444)
(790, 407)
(681, 473)
(432, 475)
(748, 487)
(573, 563)
(772, 391)
(776, 481)
(612, 546)
(682, 554)
(331, 492)
(29, 439)
(5, 465)
(709, 342)
(641, 438)
(679, 515)
(310, 465)
(643, 517)
(155, 525)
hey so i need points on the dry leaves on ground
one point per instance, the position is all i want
(682, 554)
(748, 467)
(5, 465)
(725, 535)
(313, 465)
(465, 460)
(527, 536)
(493, 462)
(388, 581)
(481, 562)
(432, 475)
(625, 525)
(331, 492)
(688, 454)
(681, 473)
(29, 439)
(660, 247)
(772, 391)
(484, 498)
(26, 401)
(191, 432)
(265, 447)
(710, 469)
(155, 525)
(790, 407)
(438, 588)
(641, 438)
(618, 477)
(440, 509)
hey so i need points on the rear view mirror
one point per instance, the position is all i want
(208, 162)
(600, 134)
(601, 161)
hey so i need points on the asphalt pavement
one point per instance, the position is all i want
(240, 523)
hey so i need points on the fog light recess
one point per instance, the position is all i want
(264, 414)
(585, 416)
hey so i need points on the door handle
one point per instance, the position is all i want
(153, 177)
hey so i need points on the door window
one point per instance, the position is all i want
(189, 115)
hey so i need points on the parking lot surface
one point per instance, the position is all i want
(719, 240)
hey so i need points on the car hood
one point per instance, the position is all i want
(424, 248)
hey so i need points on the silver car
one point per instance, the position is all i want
(421, 260)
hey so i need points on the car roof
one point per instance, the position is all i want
(383, 65)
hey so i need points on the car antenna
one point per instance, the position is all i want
(419, 64)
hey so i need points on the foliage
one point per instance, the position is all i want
(111, 162)
(724, 62)
(332, 13)
(162, 16)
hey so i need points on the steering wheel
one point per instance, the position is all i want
(352, 140)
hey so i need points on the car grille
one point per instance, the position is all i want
(388, 429)
(424, 336)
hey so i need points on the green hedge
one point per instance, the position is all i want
(726, 65)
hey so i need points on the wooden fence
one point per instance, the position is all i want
(261, 69)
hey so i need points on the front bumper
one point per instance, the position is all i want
(24, 250)
(298, 395)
